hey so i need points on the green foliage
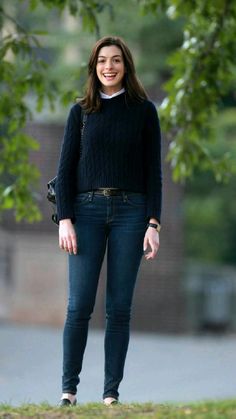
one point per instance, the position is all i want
(202, 73)
(19, 175)
(24, 75)
(210, 208)
(147, 38)
(87, 10)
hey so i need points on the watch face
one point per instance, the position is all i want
(158, 228)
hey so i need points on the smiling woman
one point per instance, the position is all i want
(110, 69)
(108, 192)
(111, 57)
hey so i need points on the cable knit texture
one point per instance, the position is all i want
(120, 148)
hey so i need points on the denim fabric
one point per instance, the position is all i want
(118, 223)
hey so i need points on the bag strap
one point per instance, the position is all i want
(83, 118)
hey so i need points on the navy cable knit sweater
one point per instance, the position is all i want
(120, 148)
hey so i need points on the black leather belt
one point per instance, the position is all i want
(108, 191)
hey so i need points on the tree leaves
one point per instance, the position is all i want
(23, 75)
(202, 73)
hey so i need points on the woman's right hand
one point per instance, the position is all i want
(67, 236)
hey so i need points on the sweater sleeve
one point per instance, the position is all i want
(66, 174)
(153, 163)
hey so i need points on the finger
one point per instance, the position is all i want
(71, 244)
(61, 244)
(153, 248)
(70, 250)
(65, 245)
(152, 254)
(149, 256)
(60, 240)
(68, 245)
(145, 243)
(74, 245)
(153, 251)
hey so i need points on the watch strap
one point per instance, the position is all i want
(157, 226)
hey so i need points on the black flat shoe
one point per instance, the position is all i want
(66, 403)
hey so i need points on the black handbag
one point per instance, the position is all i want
(51, 185)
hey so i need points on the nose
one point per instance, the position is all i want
(109, 65)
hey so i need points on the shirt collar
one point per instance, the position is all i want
(104, 96)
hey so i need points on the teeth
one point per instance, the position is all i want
(109, 75)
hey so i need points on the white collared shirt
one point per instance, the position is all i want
(104, 96)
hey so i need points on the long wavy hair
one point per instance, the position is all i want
(91, 102)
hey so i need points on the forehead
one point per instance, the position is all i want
(110, 51)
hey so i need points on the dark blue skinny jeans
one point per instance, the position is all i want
(118, 223)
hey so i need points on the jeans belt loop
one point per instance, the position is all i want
(91, 193)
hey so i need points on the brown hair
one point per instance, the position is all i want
(91, 102)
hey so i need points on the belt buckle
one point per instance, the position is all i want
(106, 192)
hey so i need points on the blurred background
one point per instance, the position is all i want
(190, 289)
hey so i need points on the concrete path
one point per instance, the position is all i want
(159, 368)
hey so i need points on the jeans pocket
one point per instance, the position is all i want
(136, 199)
(82, 198)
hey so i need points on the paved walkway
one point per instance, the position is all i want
(159, 368)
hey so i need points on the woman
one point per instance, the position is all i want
(108, 195)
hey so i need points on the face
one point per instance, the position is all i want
(110, 69)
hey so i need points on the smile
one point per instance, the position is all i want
(109, 75)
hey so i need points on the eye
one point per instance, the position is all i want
(101, 60)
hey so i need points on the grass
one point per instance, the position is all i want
(225, 409)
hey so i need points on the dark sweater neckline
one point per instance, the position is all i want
(115, 98)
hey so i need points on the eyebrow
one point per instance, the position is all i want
(103, 56)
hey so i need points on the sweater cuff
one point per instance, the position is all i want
(64, 216)
(154, 216)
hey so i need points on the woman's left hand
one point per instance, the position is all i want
(151, 239)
